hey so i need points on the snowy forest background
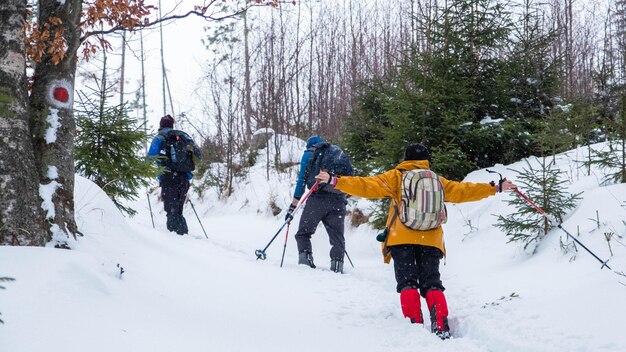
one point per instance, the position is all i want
(480, 81)
(533, 89)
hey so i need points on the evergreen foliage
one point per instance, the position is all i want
(611, 161)
(458, 96)
(544, 186)
(474, 96)
(552, 136)
(108, 146)
(363, 129)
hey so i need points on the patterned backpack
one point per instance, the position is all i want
(422, 207)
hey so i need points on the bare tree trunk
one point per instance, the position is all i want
(247, 92)
(298, 107)
(123, 68)
(52, 120)
(569, 47)
(163, 79)
(310, 83)
(623, 135)
(143, 90)
(21, 215)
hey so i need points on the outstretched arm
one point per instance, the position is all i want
(378, 186)
(459, 192)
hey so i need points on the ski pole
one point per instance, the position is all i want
(260, 253)
(347, 256)
(197, 217)
(150, 207)
(285, 246)
(553, 222)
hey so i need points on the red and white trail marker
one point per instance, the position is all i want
(61, 94)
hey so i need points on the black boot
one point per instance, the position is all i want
(442, 332)
(336, 266)
(438, 308)
(306, 257)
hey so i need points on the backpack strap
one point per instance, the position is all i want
(162, 135)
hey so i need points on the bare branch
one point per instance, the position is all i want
(202, 14)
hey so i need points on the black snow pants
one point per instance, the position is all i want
(174, 187)
(330, 209)
(417, 266)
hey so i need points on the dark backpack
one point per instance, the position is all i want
(329, 157)
(179, 148)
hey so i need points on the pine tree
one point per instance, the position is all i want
(443, 94)
(544, 186)
(108, 145)
(363, 128)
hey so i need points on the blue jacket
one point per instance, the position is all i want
(157, 148)
(304, 163)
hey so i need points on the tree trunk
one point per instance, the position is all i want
(21, 215)
(52, 121)
(123, 69)
(248, 110)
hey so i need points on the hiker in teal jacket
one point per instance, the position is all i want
(325, 205)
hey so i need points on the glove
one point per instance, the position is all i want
(289, 215)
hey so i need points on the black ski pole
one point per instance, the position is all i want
(553, 222)
(285, 246)
(347, 256)
(260, 253)
(197, 217)
(150, 207)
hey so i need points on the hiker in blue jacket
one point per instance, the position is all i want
(326, 205)
(174, 183)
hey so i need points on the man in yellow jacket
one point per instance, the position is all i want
(416, 254)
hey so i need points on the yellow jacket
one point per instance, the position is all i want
(389, 184)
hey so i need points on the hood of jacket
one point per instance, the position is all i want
(412, 165)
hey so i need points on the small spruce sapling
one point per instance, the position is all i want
(109, 144)
(544, 185)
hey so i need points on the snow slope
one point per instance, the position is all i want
(194, 293)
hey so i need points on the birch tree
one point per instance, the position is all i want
(21, 215)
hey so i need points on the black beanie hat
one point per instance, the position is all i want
(416, 151)
(167, 121)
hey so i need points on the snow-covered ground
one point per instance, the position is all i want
(194, 293)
